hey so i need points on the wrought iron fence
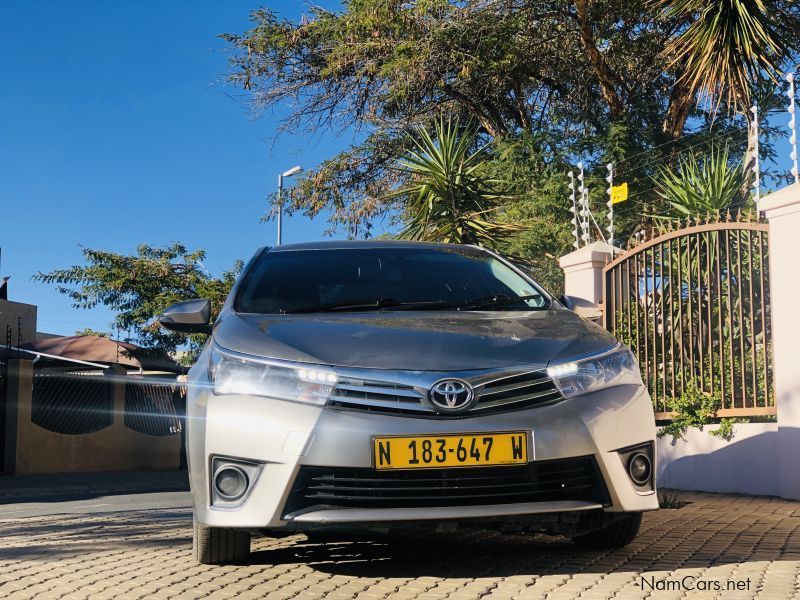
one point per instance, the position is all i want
(150, 407)
(693, 305)
(3, 404)
(71, 402)
(76, 402)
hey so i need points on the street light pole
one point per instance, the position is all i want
(280, 207)
(296, 170)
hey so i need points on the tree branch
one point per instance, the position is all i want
(603, 72)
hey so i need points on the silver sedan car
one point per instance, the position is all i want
(386, 385)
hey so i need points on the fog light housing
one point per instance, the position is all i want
(640, 468)
(638, 462)
(230, 482)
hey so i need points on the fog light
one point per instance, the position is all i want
(640, 468)
(230, 482)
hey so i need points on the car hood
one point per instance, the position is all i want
(415, 341)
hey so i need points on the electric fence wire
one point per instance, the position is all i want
(723, 134)
(619, 174)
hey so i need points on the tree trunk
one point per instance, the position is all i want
(749, 164)
(603, 72)
(681, 100)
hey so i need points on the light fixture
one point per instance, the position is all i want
(296, 170)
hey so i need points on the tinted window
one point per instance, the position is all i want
(287, 281)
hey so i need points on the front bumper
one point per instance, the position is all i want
(283, 437)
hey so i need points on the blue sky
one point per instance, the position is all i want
(117, 128)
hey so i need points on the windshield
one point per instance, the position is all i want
(388, 278)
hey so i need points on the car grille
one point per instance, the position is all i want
(377, 396)
(515, 391)
(543, 481)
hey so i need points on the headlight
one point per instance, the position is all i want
(234, 374)
(617, 367)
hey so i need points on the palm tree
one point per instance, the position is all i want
(727, 47)
(446, 197)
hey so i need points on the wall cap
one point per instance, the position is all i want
(596, 253)
(782, 198)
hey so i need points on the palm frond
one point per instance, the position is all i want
(729, 46)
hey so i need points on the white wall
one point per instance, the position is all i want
(748, 464)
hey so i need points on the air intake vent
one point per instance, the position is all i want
(544, 481)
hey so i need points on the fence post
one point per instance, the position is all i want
(116, 387)
(19, 391)
(583, 276)
(782, 209)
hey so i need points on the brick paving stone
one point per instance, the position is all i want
(122, 556)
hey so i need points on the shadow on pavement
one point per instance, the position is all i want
(64, 487)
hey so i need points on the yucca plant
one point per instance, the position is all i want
(701, 185)
(447, 198)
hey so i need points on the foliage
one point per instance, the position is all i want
(670, 499)
(725, 429)
(729, 44)
(139, 287)
(701, 185)
(602, 80)
(448, 198)
(89, 331)
(692, 408)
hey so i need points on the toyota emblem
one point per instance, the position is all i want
(451, 395)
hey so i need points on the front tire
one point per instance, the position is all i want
(617, 534)
(219, 546)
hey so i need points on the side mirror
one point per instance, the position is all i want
(567, 301)
(192, 316)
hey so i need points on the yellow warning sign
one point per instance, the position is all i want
(619, 193)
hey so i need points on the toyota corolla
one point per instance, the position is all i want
(389, 385)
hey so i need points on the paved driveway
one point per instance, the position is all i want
(729, 540)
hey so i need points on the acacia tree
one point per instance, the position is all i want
(601, 78)
(139, 287)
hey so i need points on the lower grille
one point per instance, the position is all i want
(544, 481)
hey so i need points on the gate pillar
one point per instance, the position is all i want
(583, 276)
(782, 209)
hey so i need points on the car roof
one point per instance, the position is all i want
(364, 244)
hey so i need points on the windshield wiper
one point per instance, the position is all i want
(496, 301)
(376, 304)
(390, 303)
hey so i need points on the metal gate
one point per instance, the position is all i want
(693, 305)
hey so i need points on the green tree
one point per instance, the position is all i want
(606, 79)
(89, 331)
(139, 287)
(448, 196)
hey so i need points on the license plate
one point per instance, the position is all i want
(432, 451)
